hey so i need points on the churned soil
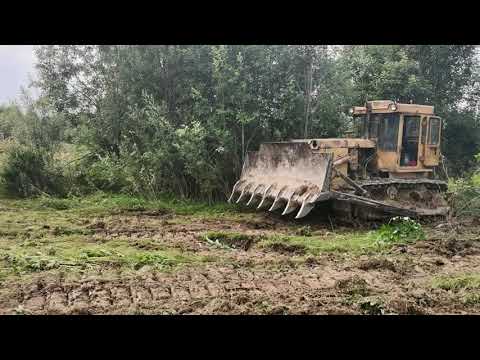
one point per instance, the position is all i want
(256, 279)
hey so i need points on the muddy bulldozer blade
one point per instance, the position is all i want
(286, 176)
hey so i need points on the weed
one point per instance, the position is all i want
(400, 230)
(30, 263)
(472, 299)
(371, 306)
(304, 231)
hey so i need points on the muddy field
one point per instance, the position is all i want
(82, 260)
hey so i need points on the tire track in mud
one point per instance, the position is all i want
(249, 285)
(222, 289)
(211, 290)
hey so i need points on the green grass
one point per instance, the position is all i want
(104, 203)
(400, 232)
(47, 233)
(457, 282)
(472, 299)
(466, 286)
(355, 243)
(77, 253)
(44, 234)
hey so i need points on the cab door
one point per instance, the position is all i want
(410, 147)
(431, 132)
(387, 144)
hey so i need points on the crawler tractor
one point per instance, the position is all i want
(390, 167)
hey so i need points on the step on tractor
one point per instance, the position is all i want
(388, 165)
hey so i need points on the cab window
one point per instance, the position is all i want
(388, 132)
(411, 127)
(434, 132)
(373, 126)
(359, 125)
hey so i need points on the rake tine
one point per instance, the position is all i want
(264, 196)
(291, 206)
(305, 208)
(244, 191)
(277, 202)
(253, 194)
(234, 190)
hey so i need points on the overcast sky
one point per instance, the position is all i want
(16, 62)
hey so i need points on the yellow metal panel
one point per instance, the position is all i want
(340, 143)
(387, 160)
(383, 106)
(338, 153)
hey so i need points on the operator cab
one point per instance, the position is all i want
(407, 135)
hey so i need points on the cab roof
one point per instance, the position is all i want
(384, 106)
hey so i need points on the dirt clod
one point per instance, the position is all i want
(353, 286)
(376, 264)
(287, 248)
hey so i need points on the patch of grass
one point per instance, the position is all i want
(21, 263)
(104, 203)
(304, 231)
(356, 243)
(472, 299)
(57, 204)
(51, 234)
(457, 282)
(76, 255)
(398, 231)
(190, 207)
(61, 230)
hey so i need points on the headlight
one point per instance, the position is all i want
(351, 111)
(393, 107)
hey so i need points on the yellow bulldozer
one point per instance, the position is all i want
(388, 166)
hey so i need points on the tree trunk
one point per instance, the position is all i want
(243, 143)
(308, 91)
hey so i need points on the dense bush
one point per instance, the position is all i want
(464, 194)
(29, 171)
(180, 119)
